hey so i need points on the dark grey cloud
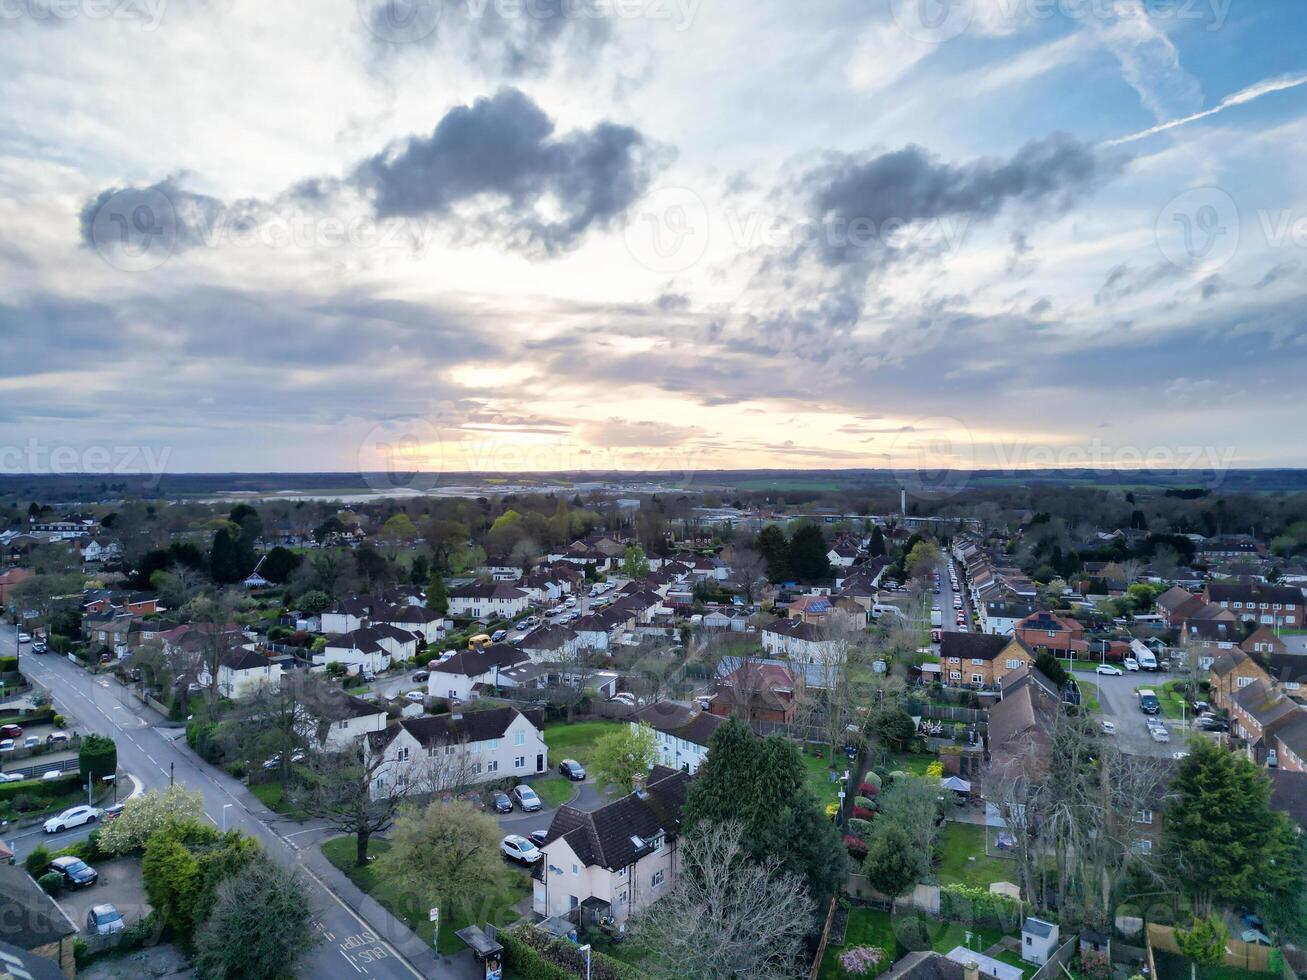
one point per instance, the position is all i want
(910, 186)
(504, 149)
(498, 161)
(1276, 273)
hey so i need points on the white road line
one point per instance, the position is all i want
(355, 916)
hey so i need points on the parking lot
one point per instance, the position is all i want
(120, 885)
(1120, 705)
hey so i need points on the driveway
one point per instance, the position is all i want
(588, 797)
(120, 885)
(1120, 704)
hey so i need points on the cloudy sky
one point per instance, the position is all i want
(651, 234)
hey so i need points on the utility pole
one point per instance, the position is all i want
(171, 766)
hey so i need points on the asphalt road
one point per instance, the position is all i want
(349, 947)
(1120, 704)
(948, 615)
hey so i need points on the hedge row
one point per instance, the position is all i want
(978, 906)
(42, 716)
(532, 955)
(44, 788)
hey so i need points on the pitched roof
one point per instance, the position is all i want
(1173, 598)
(548, 637)
(613, 836)
(798, 629)
(971, 646)
(1289, 794)
(490, 590)
(1254, 592)
(467, 726)
(681, 722)
(474, 663)
(31, 917)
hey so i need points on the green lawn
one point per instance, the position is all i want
(900, 935)
(912, 762)
(819, 780)
(958, 845)
(1171, 701)
(554, 790)
(1089, 696)
(577, 740)
(498, 910)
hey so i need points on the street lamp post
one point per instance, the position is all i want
(586, 949)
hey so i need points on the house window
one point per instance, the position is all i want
(1012, 664)
(519, 762)
(1245, 681)
(657, 878)
(575, 870)
(342, 725)
(402, 755)
(519, 738)
(955, 675)
(977, 662)
(977, 678)
(1143, 816)
(1144, 846)
(449, 750)
(493, 744)
(492, 765)
(476, 769)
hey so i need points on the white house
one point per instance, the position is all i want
(348, 719)
(348, 615)
(682, 733)
(804, 642)
(242, 672)
(484, 602)
(550, 643)
(616, 860)
(443, 752)
(431, 626)
(459, 677)
(370, 648)
(95, 551)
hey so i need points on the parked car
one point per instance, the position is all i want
(1131, 663)
(526, 798)
(56, 737)
(7, 744)
(421, 676)
(75, 872)
(1207, 724)
(624, 697)
(498, 635)
(39, 646)
(11, 731)
(101, 920)
(1109, 670)
(24, 638)
(518, 848)
(272, 763)
(1109, 727)
(572, 769)
(298, 756)
(11, 777)
(1160, 734)
(74, 816)
(32, 741)
(112, 813)
(537, 837)
(414, 697)
(501, 803)
(52, 774)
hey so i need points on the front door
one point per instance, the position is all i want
(540, 763)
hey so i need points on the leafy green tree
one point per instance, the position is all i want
(624, 755)
(775, 551)
(313, 601)
(279, 564)
(148, 814)
(894, 862)
(1223, 839)
(892, 725)
(922, 559)
(634, 563)
(763, 784)
(876, 546)
(1047, 664)
(261, 925)
(808, 552)
(172, 878)
(97, 758)
(1203, 943)
(438, 595)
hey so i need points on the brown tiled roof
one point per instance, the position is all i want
(604, 837)
(1289, 794)
(673, 719)
(473, 663)
(971, 646)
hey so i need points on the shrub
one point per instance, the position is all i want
(872, 778)
(59, 721)
(979, 906)
(532, 955)
(868, 789)
(857, 848)
(936, 769)
(52, 882)
(832, 809)
(866, 803)
(862, 813)
(97, 758)
(861, 961)
(38, 861)
(860, 828)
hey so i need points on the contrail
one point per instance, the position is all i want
(1239, 98)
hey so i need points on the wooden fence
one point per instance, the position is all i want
(821, 944)
(1244, 956)
(1062, 955)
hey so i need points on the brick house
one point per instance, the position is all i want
(755, 691)
(1289, 743)
(1274, 605)
(1258, 711)
(1061, 635)
(978, 659)
(1176, 605)
(1230, 673)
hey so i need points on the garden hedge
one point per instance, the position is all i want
(978, 906)
(533, 955)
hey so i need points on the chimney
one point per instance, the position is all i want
(637, 785)
(971, 970)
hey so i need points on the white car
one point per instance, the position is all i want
(1131, 663)
(7, 744)
(1109, 670)
(518, 848)
(1109, 727)
(52, 774)
(1160, 734)
(570, 601)
(623, 698)
(414, 697)
(74, 816)
(24, 638)
(11, 777)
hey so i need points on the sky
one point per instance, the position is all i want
(649, 235)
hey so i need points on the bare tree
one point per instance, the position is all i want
(726, 916)
(1014, 786)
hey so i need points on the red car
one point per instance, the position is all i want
(11, 731)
